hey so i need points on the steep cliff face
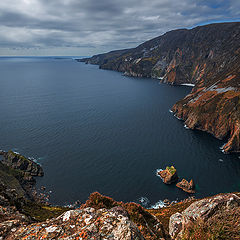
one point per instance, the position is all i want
(206, 56)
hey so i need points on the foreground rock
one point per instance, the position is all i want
(103, 218)
(169, 175)
(149, 226)
(87, 223)
(210, 218)
(10, 220)
(186, 186)
(99, 218)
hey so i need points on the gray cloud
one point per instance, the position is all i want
(85, 27)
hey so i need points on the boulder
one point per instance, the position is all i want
(203, 211)
(169, 175)
(186, 186)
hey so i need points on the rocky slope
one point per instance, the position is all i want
(23, 215)
(101, 217)
(207, 56)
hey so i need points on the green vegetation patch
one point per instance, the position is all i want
(41, 212)
(171, 169)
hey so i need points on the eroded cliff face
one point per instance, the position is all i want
(206, 56)
(214, 105)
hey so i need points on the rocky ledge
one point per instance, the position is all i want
(217, 216)
(19, 162)
(207, 57)
(17, 179)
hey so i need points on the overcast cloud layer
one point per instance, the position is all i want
(86, 27)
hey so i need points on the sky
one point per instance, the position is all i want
(87, 27)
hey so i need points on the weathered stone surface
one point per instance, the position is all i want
(150, 227)
(201, 211)
(175, 224)
(86, 223)
(10, 220)
(169, 175)
(186, 186)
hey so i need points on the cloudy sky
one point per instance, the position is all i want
(86, 27)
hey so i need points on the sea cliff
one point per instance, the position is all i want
(207, 57)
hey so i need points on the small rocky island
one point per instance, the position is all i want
(186, 186)
(169, 175)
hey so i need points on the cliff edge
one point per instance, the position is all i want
(207, 57)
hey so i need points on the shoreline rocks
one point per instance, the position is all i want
(169, 175)
(186, 186)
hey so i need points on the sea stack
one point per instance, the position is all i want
(186, 186)
(169, 175)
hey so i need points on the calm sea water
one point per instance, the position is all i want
(96, 130)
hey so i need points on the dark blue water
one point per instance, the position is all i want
(96, 130)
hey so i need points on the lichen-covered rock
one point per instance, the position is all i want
(169, 175)
(10, 220)
(186, 186)
(175, 224)
(17, 161)
(149, 226)
(87, 223)
(203, 212)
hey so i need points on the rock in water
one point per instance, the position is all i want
(169, 175)
(17, 161)
(186, 186)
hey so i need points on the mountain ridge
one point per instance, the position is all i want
(206, 56)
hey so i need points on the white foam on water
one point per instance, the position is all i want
(160, 204)
(144, 201)
(157, 205)
(158, 170)
(188, 84)
(222, 148)
(177, 117)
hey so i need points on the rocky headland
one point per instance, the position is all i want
(207, 57)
